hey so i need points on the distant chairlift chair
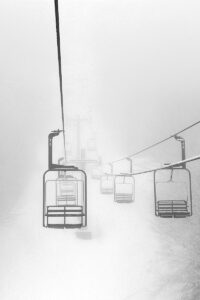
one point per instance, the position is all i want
(124, 186)
(64, 194)
(172, 190)
(107, 182)
(96, 173)
(66, 189)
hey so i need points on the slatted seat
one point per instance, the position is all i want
(107, 184)
(124, 189)
(62, 226)
(107, 191)
(123, 197)
(62, 214)
(172, 208)
(66, 191)
(65, 198)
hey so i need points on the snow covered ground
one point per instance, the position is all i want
(126, 253)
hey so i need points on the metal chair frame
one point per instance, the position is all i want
(174, 207)
(107, 190)
(125, 196)
(116, 199)
(66, 208)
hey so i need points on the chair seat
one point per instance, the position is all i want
(65, 210)
(123, 197)
(62, 226)
(66, 198)
(65, 216)
(107, 191)
(172, 208)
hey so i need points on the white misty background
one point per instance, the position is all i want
(134, 66)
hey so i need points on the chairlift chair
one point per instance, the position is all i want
(97, 171)
(107, 182)
(91, 144)
(172, 190)
(124, 189)
(64, 194)
(67, 190)
(124, 186)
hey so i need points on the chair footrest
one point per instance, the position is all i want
(61, 210)
(62, 226)
(122, 197)
(108, 191)
(65, 215)
(123, 201)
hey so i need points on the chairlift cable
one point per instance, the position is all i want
(60, 71)
(175, 164)
(157, 143)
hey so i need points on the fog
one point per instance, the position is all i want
(133, 68)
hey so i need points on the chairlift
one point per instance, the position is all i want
(172, 190)
(92, 156)
(96, 173)
(124, 189)
(86, 161)
(66, 189)
(124, 186)
(91, 144)
(64, 194)
(107, 182)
